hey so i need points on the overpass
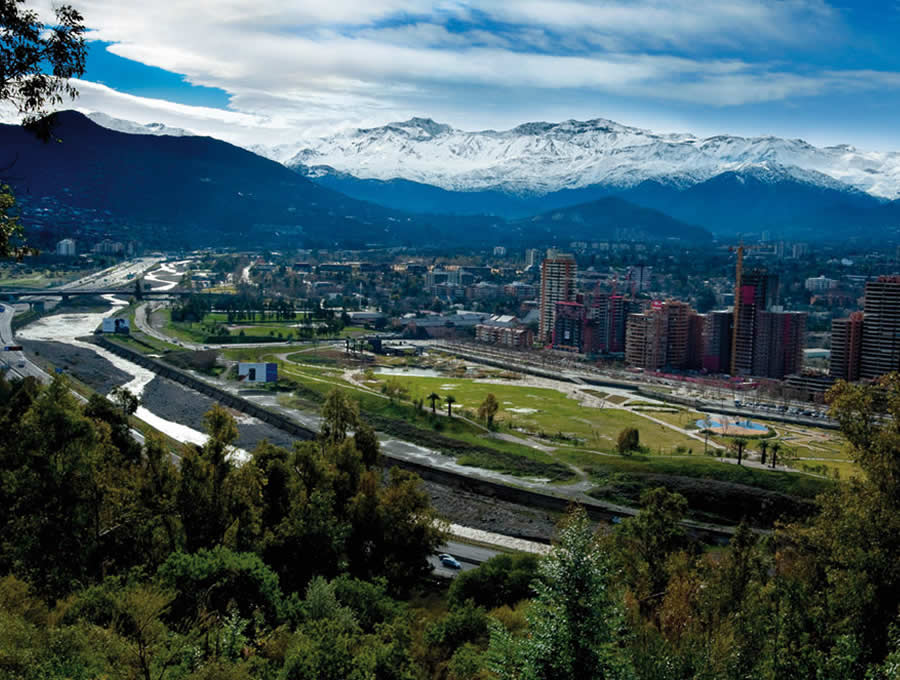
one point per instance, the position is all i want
(11, 294)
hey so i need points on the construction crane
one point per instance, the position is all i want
(740, 249)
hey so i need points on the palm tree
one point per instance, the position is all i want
(739, 445)
(450, 399)
(775, 446)
(433, 398)
(763, 447)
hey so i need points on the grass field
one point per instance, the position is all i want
(617, 478)
(196, 332)
(546, 412)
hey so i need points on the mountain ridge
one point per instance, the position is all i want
(200, 190)
(540, 157)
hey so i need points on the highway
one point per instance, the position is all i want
(468, 556)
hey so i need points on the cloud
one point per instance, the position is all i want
(305, 65)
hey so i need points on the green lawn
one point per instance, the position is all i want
(547, 411)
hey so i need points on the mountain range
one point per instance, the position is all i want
(169, 187)
(729, 184)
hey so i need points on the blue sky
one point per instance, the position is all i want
(268, 71)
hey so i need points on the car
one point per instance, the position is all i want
(449, 561)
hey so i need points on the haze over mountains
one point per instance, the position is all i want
(180, 189)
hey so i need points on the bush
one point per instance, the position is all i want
(502, 580)
(628, 441)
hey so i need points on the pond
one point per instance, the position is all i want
(742, 424)
(408, 372)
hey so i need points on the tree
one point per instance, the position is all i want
(646, 540)
(366, 442)
(739, 444)
(38, 60)
(11, 230)
(450, 399)
(339, 414)
(433, 398)
(488, 409)
(575, 622)
(628, 440)
(775, 448)
(127, 400)
(763, 448)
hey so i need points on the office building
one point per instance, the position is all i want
(557, 285)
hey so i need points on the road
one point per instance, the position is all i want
(468, 556)
(17, 362)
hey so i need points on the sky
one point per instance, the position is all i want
(278, 71)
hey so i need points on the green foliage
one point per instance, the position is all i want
(219, 581)
(11, 230)
(575, 624)
(628, 441)
(488, 409)
(502, 580)
(339, 414)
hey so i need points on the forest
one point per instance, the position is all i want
(121, 559)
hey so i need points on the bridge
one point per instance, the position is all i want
(11, 294)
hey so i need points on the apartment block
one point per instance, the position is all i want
(880, 350)
(846, 347)
(558, 272)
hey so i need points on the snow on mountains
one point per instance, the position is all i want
(541, 158)
(132, 128)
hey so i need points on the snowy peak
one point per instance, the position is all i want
(538, 158)
(417, 128)
(132, 128)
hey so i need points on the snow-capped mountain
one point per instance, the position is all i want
(541, 158)
(132, 128)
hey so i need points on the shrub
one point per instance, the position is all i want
(628, 441)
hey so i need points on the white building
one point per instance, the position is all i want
(818, 284)
(499, 251)
(66, 247)
(257, 372)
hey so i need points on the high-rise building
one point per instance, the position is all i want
(880, 351)
(717, 334)
(532, 257)
(606, 318)
(645, 341)
(678, 335)
(758, 293)
(846, 347)
(696, 324)
(779, 342)
(557, 285)
(660, 337)
(568, 327)
(66, 247)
